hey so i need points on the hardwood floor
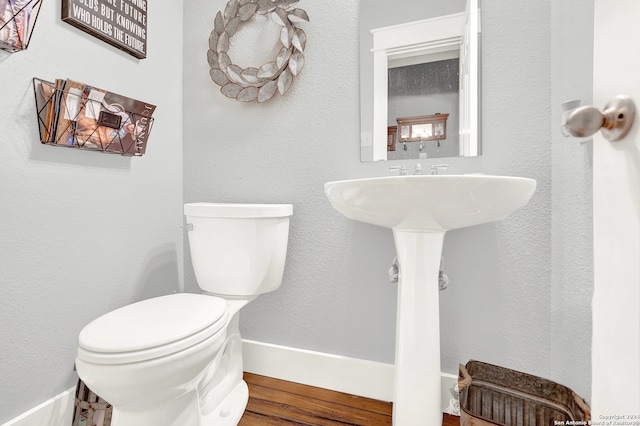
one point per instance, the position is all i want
(274, 402)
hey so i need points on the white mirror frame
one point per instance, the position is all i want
(457, 31)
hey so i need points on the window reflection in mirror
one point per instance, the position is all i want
(425, 91)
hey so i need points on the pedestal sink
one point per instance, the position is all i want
(419, 210)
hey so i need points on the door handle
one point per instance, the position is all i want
(615, 120)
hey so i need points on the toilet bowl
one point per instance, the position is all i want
(176, 360)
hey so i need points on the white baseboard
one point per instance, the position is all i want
(58, 411)
(342, 374)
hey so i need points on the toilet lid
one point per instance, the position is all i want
(234, 211)
(152, 328)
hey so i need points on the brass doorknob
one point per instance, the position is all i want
(615, 120)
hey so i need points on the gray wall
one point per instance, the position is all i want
(82, 233)
(572, 196)
(515, 285)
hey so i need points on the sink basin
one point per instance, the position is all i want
(430, 203)
(419, 210)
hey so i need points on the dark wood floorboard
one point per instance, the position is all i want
(274, 402)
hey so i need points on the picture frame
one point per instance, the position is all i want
(120, 23)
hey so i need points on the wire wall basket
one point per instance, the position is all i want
(17, 21)
(75, 115)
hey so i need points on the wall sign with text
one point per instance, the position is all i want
(121, 23)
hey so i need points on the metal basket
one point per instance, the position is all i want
(492, 395)
(90, 409)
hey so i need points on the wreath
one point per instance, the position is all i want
(261, 84)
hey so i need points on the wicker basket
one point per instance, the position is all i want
(492, 395)
(90, 409)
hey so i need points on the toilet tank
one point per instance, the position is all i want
(238, 250)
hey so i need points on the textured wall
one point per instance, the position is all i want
(285, 151)
(335, 296)
(572, 198)
(498, 307)
(82, 233)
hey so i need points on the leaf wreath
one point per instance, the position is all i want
(261, 84)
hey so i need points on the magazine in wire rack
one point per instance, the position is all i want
(75, 114)
(17, 20)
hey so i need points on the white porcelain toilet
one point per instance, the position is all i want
(176, 360)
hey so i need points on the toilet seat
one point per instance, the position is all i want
(152, 328)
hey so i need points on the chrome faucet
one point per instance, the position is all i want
(434, 168)
(402, 170)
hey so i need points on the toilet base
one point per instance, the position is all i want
(184, 411)
(231, 409)
(218, 395)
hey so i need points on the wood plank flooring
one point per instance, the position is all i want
(274, 402)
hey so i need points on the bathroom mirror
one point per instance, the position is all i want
(419, 58)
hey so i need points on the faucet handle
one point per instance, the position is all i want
(402, 170)
(434, 168)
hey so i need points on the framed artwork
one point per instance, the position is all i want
(120, 23)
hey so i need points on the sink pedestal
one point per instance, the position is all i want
(417, 395)
(420, 210)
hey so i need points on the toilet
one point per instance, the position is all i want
(176, 360)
